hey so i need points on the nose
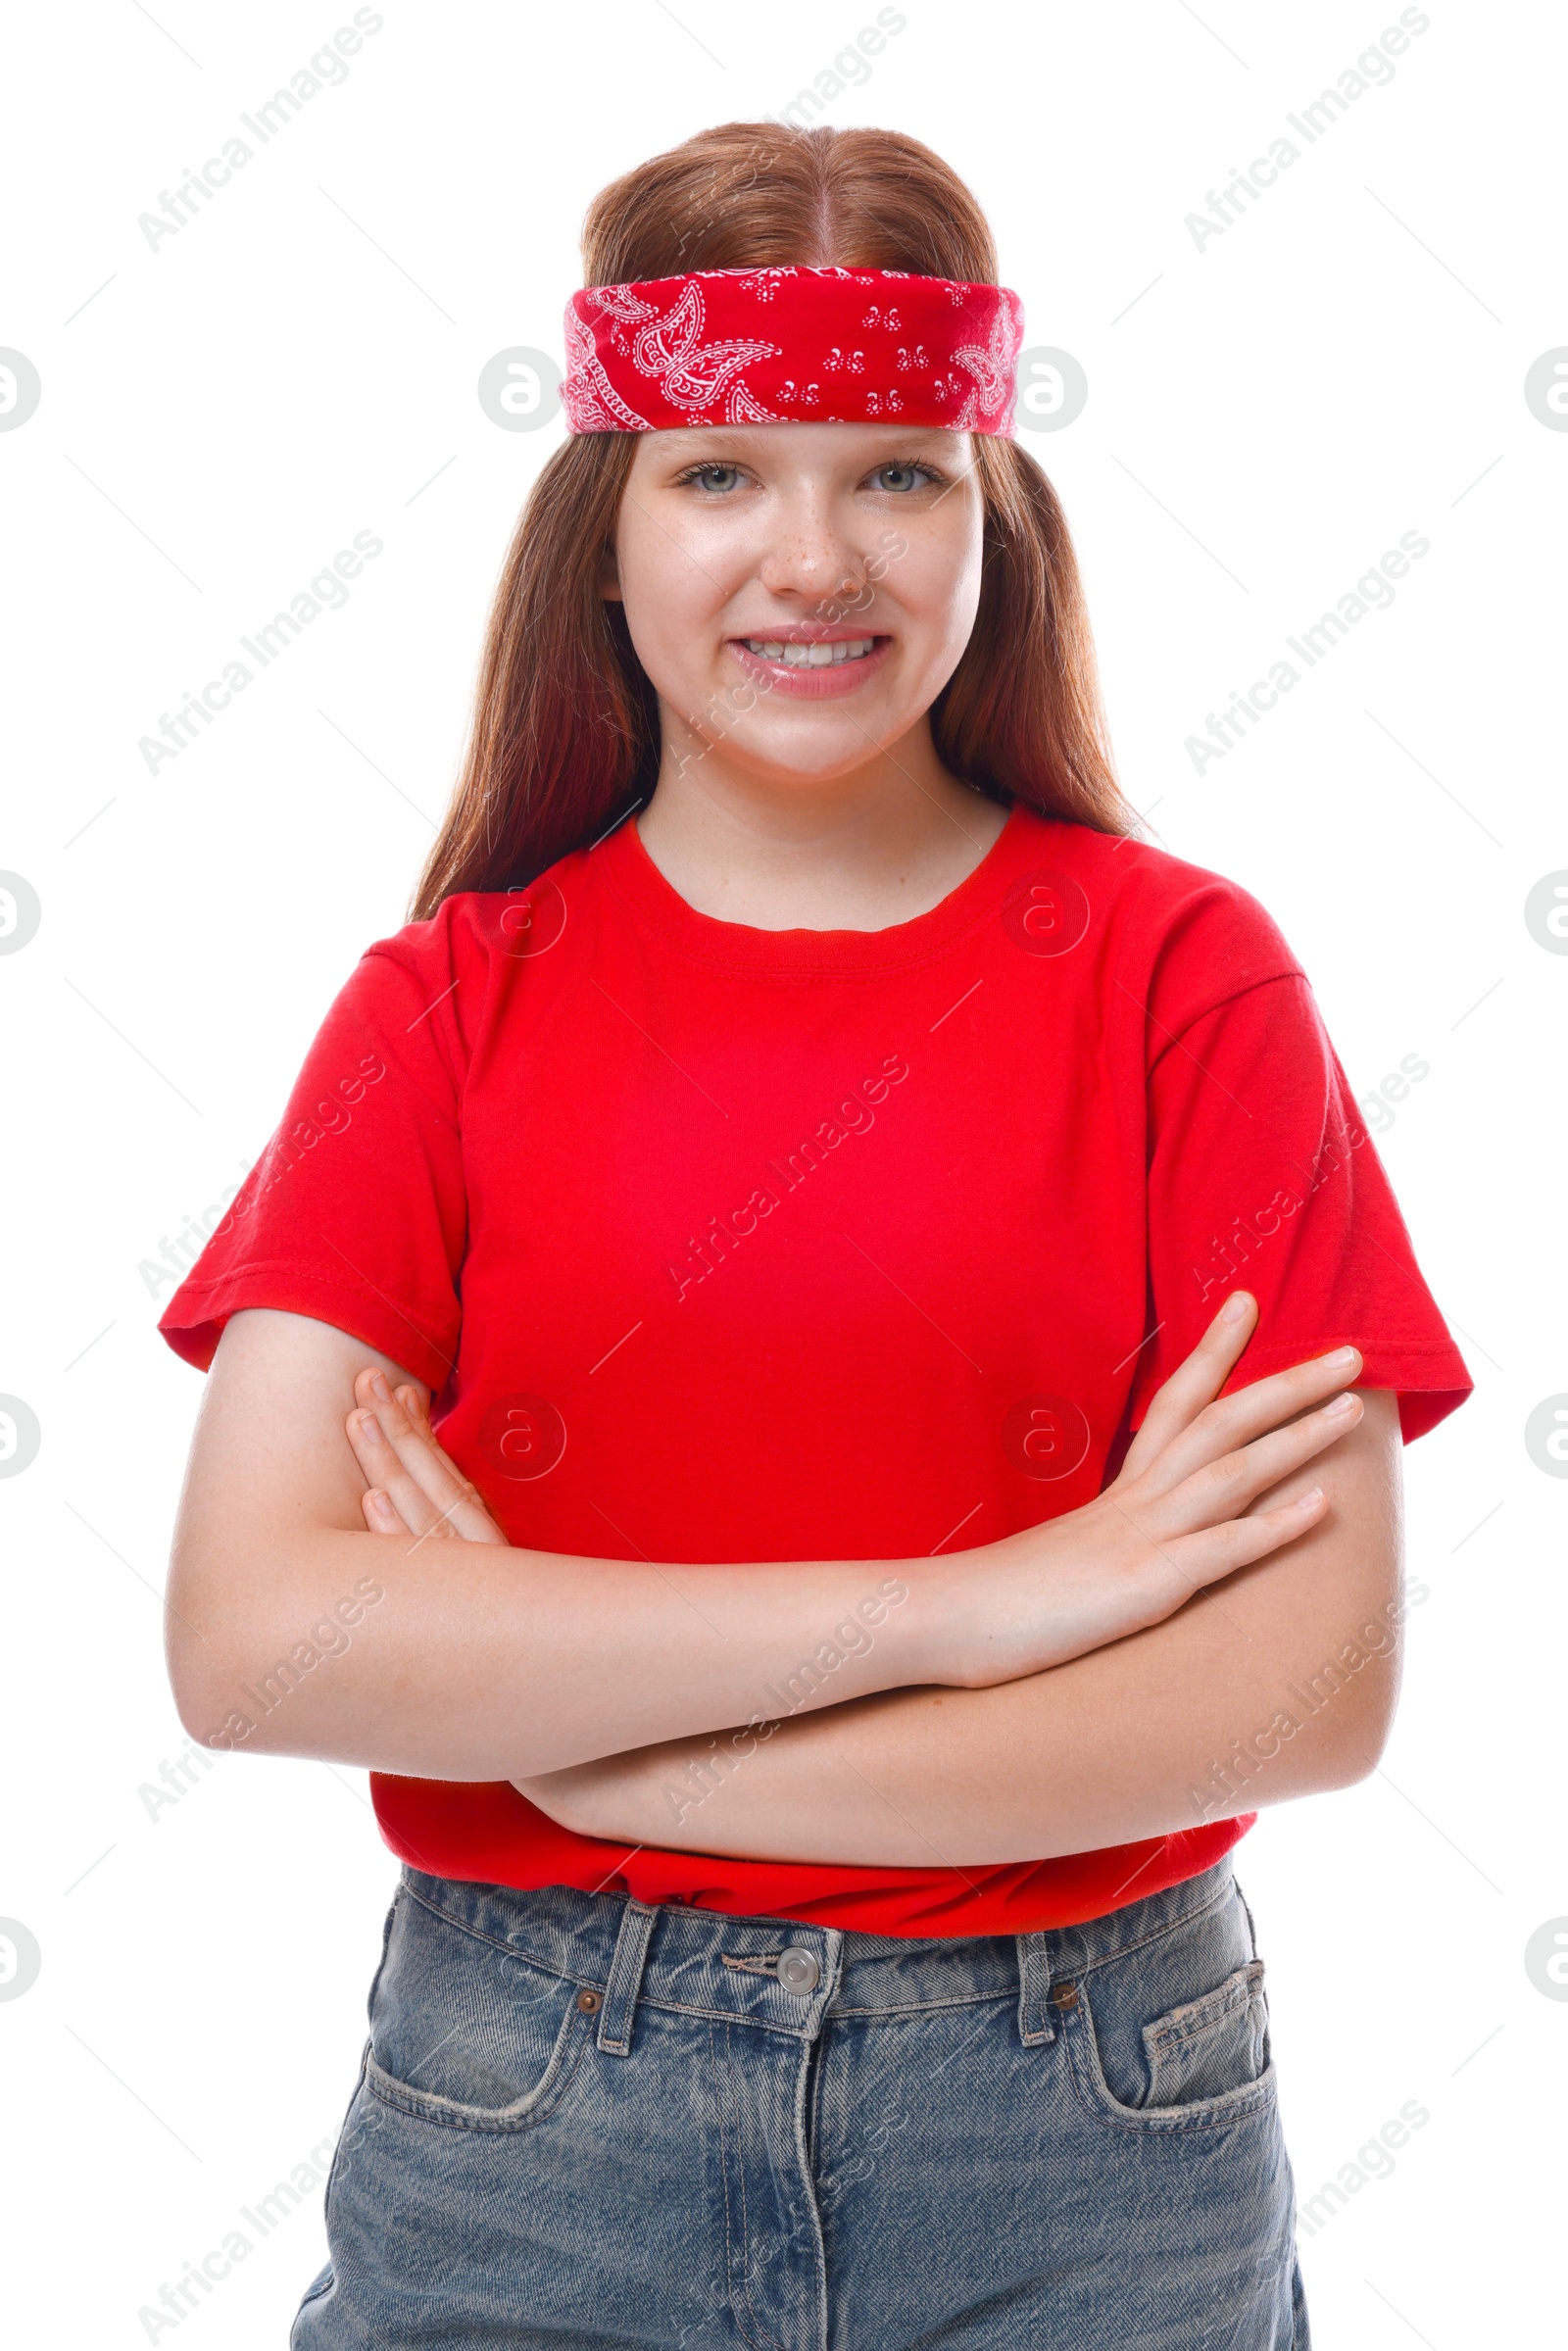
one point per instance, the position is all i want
(810, 561)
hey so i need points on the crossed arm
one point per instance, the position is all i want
(1154, 1687)
(1280, 1684)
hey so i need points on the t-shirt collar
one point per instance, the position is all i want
(740, 947)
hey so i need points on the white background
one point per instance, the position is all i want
(1266, 415)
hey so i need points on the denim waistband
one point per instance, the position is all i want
(785, 1975)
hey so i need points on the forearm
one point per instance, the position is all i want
(449, 1654)
(1224, 1707)
(1163, 1731)
(464, 1661)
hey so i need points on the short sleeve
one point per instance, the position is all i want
(356, 1212)
(1262, 1176)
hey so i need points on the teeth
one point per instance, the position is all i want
(796, 655)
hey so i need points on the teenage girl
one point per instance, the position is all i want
(814, 1379)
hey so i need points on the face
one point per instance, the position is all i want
(799, 594)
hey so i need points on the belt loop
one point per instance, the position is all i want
(1034, 1989)
(625, 1978)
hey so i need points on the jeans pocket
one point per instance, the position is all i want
(1207, 2048)
(466, 2032)
(1174, 2036)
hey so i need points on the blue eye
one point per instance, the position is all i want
(914, 475)
(704, 474)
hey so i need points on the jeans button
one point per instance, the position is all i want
(797, 1971)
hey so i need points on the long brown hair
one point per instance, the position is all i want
(566, 727)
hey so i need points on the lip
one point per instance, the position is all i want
(803, 684)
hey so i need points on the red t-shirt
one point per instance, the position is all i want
(725, 1243)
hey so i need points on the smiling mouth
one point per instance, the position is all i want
(802, 653)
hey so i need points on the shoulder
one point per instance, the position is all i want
(1168, 927)
(1133, 886)
(473, 930)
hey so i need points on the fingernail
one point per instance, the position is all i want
(1235, 1307)
(1341, 1404)
(369, 1428)
(378, 1387)
(1342, 1354)
(1304, 1502)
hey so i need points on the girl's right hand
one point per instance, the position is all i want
(1171, 1523)
(414, 1486)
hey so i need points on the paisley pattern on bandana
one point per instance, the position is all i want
(779, 346)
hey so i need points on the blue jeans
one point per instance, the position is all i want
(583, 2123)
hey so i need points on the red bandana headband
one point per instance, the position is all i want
(791, 347)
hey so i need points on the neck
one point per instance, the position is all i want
(879, 844)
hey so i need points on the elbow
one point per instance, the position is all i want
(188, 1643)
(184, 1649)
(237, 1666)
(1353, 1737)
(187, 1704)
(211, 1709)
(1344, 1692)
(202, 1669)
(197, 1683)
(1356, 1756)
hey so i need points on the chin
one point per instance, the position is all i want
(818, 754)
